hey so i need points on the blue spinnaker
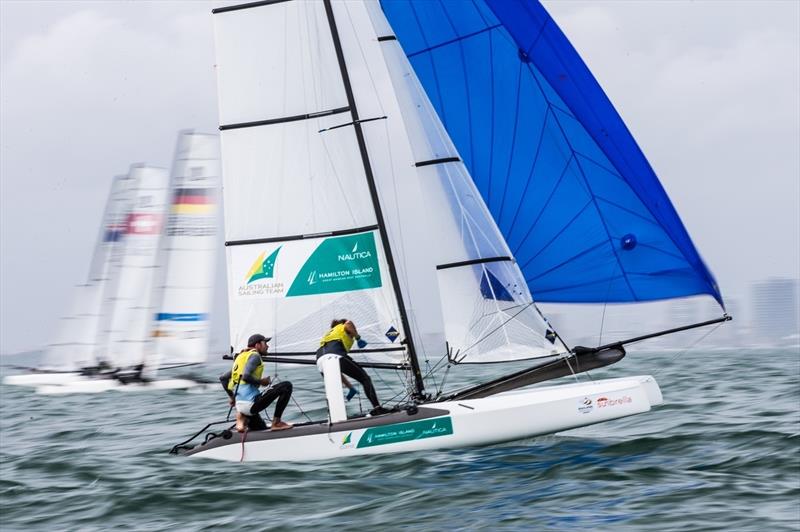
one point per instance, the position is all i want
(578, 203)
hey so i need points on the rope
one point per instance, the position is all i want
(692, 346)
(182, 444)
(494, 330)
(244, 437)
(300, 409)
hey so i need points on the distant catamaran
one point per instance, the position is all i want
(346, 196)
(146, 305)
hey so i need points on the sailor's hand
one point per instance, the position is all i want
(232, 401)
(265, 381)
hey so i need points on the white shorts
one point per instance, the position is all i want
(321, 360)
(244, 407)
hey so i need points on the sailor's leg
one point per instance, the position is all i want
(351, 369)
(241, 421)
(282, 391)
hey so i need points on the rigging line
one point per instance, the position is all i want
(444, 358)
(444, 380)
(605, 304)
(574, 374)
(495, 330)
(498, 310)
(691, 346)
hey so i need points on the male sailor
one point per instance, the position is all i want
(241, 384)
(338, 342)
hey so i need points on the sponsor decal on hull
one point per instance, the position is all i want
(605, 402)
(400, 432)
(585, 405)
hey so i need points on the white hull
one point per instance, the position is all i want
(42, 379)
(504, 417)
(104, 385)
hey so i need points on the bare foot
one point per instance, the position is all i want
(281, 425)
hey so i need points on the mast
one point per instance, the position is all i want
(362, 147)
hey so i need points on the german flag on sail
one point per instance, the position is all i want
(193, 201)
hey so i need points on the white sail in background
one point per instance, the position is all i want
(78, 333)
(134, 298)
(188, 247)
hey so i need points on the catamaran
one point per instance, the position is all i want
(76, 351)
(160, 318)
(425, 169)
(158, 295)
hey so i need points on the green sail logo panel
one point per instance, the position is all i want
(400, 432)
(339, 264)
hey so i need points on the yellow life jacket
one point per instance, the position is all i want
(239, 364)
(338, 333)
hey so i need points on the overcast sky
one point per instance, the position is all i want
(710, 90)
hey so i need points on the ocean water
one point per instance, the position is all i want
(722, 453)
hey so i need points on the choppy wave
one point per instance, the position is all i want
(721, 454)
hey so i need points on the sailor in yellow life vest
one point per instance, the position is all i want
(338, 342)
(241, 384)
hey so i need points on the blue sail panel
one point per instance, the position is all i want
(575, 198)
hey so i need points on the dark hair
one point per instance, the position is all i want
(334, 323)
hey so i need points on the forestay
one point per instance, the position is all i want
(294, 166)
(575, 198)
(187, 255)
(134, 299)
(80, 332)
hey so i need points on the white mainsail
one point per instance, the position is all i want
(188, 247)
(303, 245)
(302, 147)
(133, 300)
(78, 332)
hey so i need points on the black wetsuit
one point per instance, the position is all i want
(350, 368)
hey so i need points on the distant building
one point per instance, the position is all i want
(775, 312)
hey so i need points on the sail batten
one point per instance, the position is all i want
(283, 120)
